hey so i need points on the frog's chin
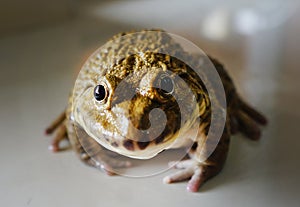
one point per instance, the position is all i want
(120, 144)
(138, 154)
(130, 148)
(119, 136)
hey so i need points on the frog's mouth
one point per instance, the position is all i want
(138, 128)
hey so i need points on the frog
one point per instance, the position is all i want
(97, 118)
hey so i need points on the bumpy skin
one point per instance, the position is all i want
(151, 61)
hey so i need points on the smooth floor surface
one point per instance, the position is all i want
(37, 72)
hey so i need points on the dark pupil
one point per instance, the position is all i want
(167, 84)
(99, 92)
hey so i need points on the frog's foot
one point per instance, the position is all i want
(93, 154)
(59, 127)
(105, 161)
(196, 172)
(61, 134)
(55, 124)
(247, 120)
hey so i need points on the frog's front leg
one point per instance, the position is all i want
(93, 154)
(199, 172)
(58, 126)
(89, 151)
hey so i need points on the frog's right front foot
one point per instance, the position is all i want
(58, 126)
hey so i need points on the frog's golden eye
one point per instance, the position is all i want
(100, 92)
(166, 84)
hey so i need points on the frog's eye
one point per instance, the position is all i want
(100, 92)
(166, 84)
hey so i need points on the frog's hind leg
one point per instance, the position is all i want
(248, 120)
(58, 126)
(252, 113)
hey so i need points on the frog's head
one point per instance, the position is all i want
(140, 105)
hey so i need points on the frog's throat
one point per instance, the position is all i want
(131, 148)
(175, 140)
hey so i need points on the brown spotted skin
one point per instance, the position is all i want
(240, 116)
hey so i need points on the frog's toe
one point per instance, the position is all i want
(110, 166)
(196, 172)
(107, 163)
(55, 124)
(60, 135)
(59, 127)
(179, 176)
(196, 180)
(190, 169)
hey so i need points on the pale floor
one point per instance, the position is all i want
(37, 73)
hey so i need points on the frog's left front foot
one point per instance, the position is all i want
(197, 172)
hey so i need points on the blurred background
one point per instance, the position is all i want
(43, 44)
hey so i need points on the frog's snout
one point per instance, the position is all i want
(152, 121)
